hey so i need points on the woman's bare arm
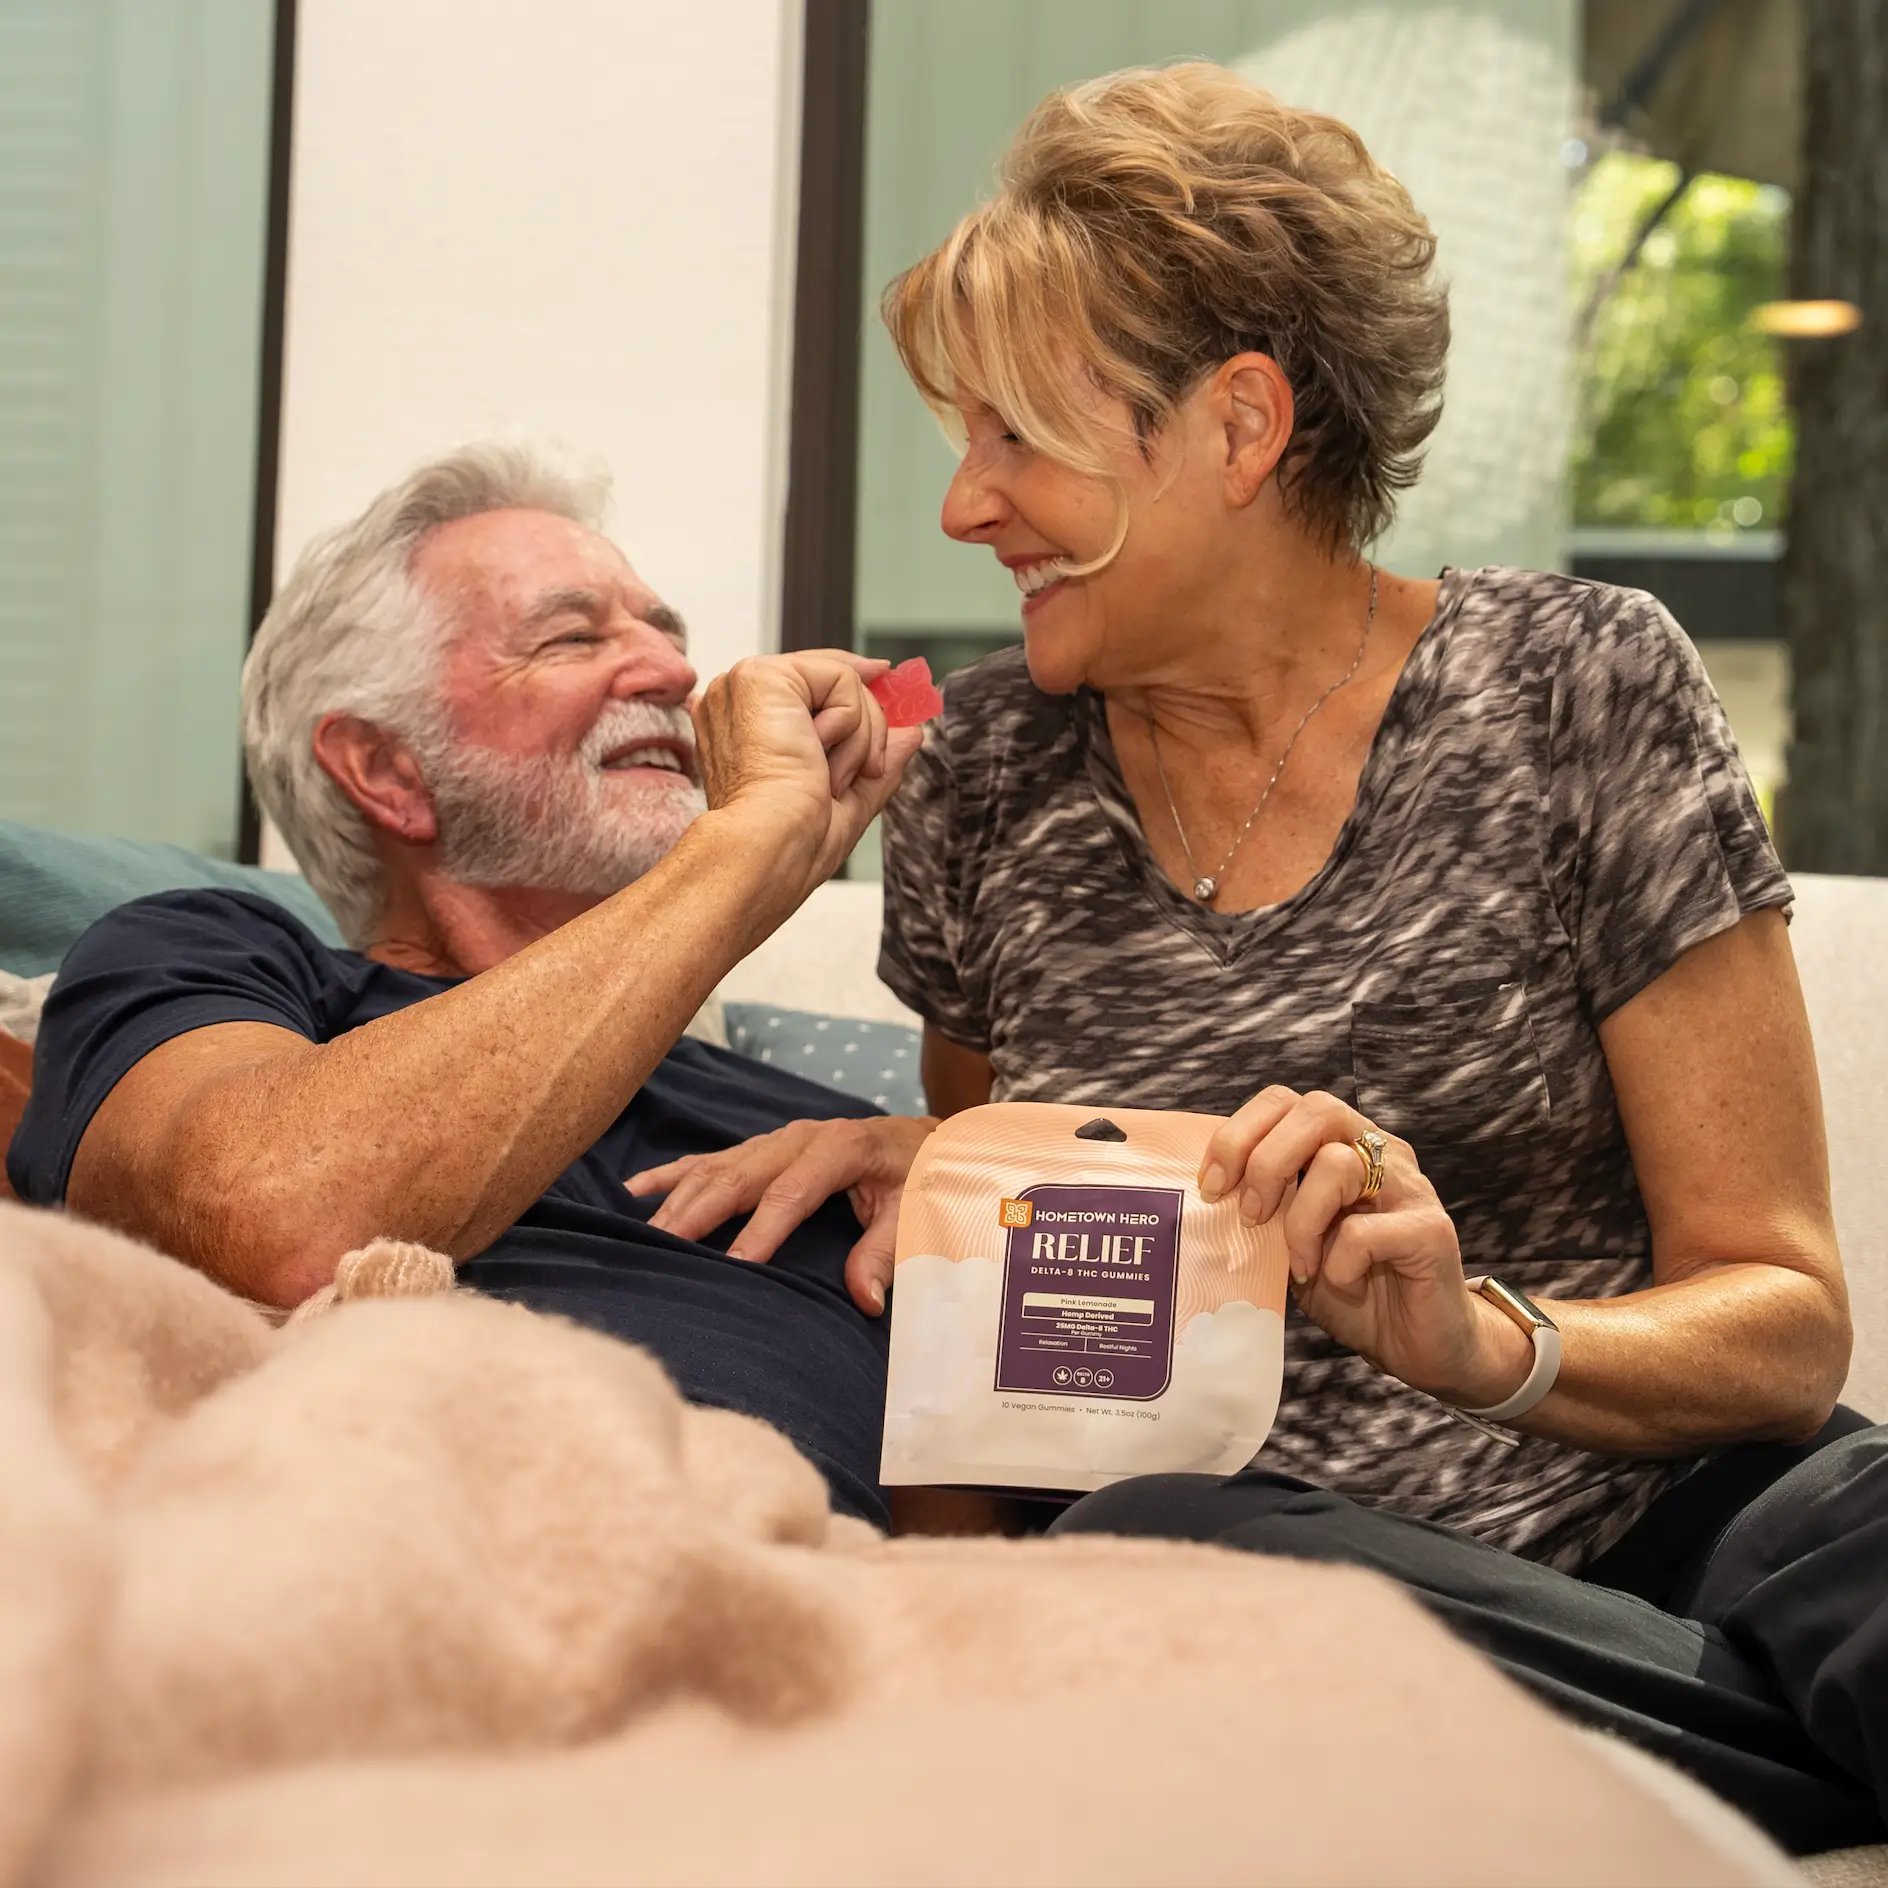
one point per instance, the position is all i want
(1745, 1332)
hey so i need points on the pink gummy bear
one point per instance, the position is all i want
(907, 694)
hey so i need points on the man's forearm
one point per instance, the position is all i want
(443, 1122)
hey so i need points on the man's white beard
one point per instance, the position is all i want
(548, 822)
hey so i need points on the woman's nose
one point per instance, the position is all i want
(973, 509)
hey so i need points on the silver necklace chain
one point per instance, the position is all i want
(1206, 885)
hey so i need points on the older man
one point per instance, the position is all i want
(469, 717)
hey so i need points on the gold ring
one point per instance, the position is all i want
(1370, 1146)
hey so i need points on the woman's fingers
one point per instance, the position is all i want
(781, 1179)
(829, 1162)
(1231, 1146)
(1287, 1149)
(1364, 1240)
(1280, 1139)
(706, 1190)
(707, 1199)
(662, 1179)
(869, 1263)
(1331, 1183)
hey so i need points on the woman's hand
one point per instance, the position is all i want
(781, 1179)
(1382, 1276)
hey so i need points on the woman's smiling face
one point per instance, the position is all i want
(1046, 521)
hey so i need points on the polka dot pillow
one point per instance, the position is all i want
(878, 1061)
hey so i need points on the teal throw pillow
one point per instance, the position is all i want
(53, 886)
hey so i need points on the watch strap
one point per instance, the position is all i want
(1542, 1332)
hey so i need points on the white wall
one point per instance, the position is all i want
(574, 218)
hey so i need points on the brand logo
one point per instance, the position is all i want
(1016, 1212)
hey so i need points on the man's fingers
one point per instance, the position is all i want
(824, 662)
(847, 758)
(874, 768)
(900, 745)
(844, 726)
(870, 792)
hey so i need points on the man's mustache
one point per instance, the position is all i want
(624, 723)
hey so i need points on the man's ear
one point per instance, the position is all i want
(1252, 402)
(377, 773)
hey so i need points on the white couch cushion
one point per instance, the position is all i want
(1840, 934)
(824, 958)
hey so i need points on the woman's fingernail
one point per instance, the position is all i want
(1300, 1271)
(876, 1292)
(1251, 1206)
(1212, 1182)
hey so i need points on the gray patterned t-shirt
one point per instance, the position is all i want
(1552, 811)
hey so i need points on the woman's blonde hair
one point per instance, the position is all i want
(1154, 223)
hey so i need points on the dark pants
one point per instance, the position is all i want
(1740, 1630)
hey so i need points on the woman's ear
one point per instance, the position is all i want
(378, 775)
(1252, 401)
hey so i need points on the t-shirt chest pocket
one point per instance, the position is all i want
(1450, 1069)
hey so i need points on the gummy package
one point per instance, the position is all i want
(1067, 1310)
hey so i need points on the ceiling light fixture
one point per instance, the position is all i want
(1799, 321)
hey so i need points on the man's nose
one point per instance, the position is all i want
(654, 669)
(973, 508)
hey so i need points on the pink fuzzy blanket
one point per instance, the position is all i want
(422, 1588)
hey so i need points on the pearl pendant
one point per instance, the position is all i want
(1204, 888)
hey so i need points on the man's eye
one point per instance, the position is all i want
(578, 639)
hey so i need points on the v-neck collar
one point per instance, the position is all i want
(1228, 935)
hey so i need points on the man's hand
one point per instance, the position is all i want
(797, 740)
(782, 1178)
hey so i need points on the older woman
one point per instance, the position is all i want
(1451, 894)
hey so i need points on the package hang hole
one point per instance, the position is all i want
(1100, 1129)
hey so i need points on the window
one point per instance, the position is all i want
(134, 204)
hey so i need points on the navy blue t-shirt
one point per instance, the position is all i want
(781, 1341)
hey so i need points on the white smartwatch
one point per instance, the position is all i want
(1545, 1336)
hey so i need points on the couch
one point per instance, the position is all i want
(813, 988)
(810, 996)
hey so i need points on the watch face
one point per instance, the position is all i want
(1521, 1308)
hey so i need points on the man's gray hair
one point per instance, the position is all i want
(353, 632)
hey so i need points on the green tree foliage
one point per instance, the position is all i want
(1680, 418)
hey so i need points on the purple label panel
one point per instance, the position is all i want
(1088, 1293)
